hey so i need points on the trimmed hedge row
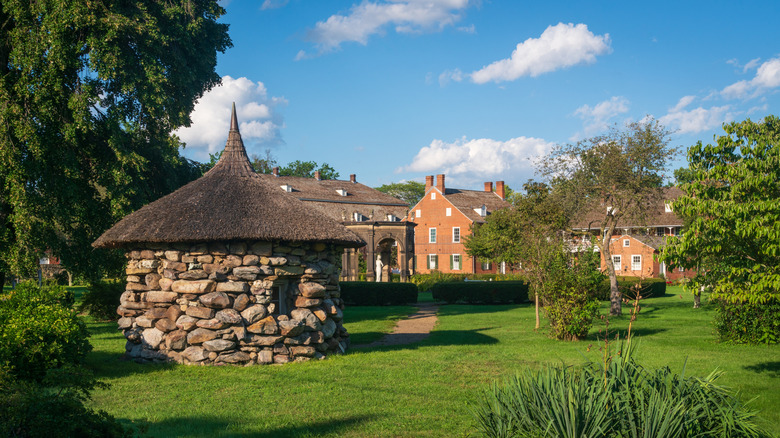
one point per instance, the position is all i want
(650, 287)
(364, 293)
(425, 282)
(487, 292)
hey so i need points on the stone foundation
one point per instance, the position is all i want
(239, 303)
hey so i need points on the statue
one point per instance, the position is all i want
(378, 268)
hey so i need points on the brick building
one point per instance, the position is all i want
(444, 217)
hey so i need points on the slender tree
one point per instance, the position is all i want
(306, 169)
(89, 94)
(617, 174)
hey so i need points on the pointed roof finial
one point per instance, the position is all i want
(233, 119)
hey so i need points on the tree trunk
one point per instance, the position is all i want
(697, 298)
(536, 303)
(615, 307)
(2, 281)
(70, 278)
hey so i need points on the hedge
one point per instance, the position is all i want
(425, 282)
(365, 293)
(651, 287)
(484, 292)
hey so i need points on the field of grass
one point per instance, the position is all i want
(415, 390)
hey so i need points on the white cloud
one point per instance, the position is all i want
(767, 77)
(259, 122)
(481, 159)
(373, 17)
(682, 103)
(273, 4)
(450, 75)
(696, 120)
(559, 46)
(597, 118)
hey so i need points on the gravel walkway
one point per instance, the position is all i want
(413, 329)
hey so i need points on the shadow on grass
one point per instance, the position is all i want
(623, 333)
(463, 309)
(213, 426)
(437, 338)
(107, 365)
(355, 314)
(772, 369)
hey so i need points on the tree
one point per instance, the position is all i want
(409, 191)
(89, 93)
(306, 169)
(617, 175)
(264, 164)
(732, 206)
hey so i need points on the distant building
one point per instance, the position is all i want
(637, 241)
(444, 217)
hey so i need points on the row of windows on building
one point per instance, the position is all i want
(455, 235)
(432, 262)
(636, 262)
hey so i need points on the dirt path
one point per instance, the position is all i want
(413, 329)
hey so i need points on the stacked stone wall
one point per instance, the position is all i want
(237, 303)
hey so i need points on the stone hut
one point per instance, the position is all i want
(231, 270)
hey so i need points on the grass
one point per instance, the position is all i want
(415, 390)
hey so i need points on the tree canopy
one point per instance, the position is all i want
(306, 169)
(90, 92)
(409, 191)
(617, 173)
(732, 205)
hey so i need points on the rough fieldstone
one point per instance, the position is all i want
(216, 300)
(211, 324)
(138, 271)
(281, 358)
(165, 284)
(238, 248)
(250, 260)
(196, 274)
(288, 271)
(293, 260)
(233, 286)
(307, 302)
(214, 268)
(136, 287)
(320, 313)
(165, 325)
(176, 340)
(262, 248)
(146, 254)
(229, 316)
(328, 328)
(200, 335)
(266, 326)
(255, 313)
(262, 341)
(200, 312)
(235, 357)
(232, 261)
(148, 264)
(274, 261)
(281, 349)
(246, 272)
(241, 302)
(195, 354)
(186, 322)
(144, 321)
(133, 279)
(208, 258)
(125, 323)
(153, 280)
(265, 357)
(155, 313)
(193, 287)
(135, 305)
(173, 313)
(312, 290)
(160, 297)
(219, 345)
(319, 247)
(291, 328)
(308, 318)
(173, 256)
(174, 266)
(188, 258)
(303, 350)
(301, 339)
(152, 337)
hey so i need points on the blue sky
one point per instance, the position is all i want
(396, 90)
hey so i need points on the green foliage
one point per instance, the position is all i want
(90, 93)
(305, 169)
(366, 293)
(425, 282)
(40, 331)
(410, 191)
(748, 323)
(569, 294)
(630, 286)
(101, 299)
(616, 399)
(481, 292)
(732, 205)
(264, 164)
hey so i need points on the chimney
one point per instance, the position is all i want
(275, 171)
(317, 175)
(440, 182)
(500, 189)
(489, 186)
(428, 182)
(352, 178)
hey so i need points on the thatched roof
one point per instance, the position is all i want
(229, 202)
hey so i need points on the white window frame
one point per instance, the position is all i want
(486, 266)
(432, 235)
(433, 195)
(433, 261)
(456, 262)
(617, 262)
(455, 234)
(626, 243)
(668, 207)
(448, 211)
(636, 262)
(418, 213)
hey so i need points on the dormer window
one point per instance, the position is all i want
(357, 217)
(341, 192)
(393, 218)
(610, 210)
(668, 207)
(482, 211)
(287, 188)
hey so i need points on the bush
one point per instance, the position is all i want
(487, 292)
(101, 299)
(748, 323)
(425, 282)
(649, 287)
(623, 400)
(39, 330)
(363, 293)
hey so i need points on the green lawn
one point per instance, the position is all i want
(415, 390)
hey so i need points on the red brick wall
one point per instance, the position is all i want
(649, 266)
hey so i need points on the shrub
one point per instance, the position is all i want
(487, 292)
(363, 293)
(621, 400)
(101, 299)
(39, 330)
(748, 323)
(425, 282)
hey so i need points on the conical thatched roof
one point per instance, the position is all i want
(229, 202)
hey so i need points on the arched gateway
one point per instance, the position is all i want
(231, 269)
